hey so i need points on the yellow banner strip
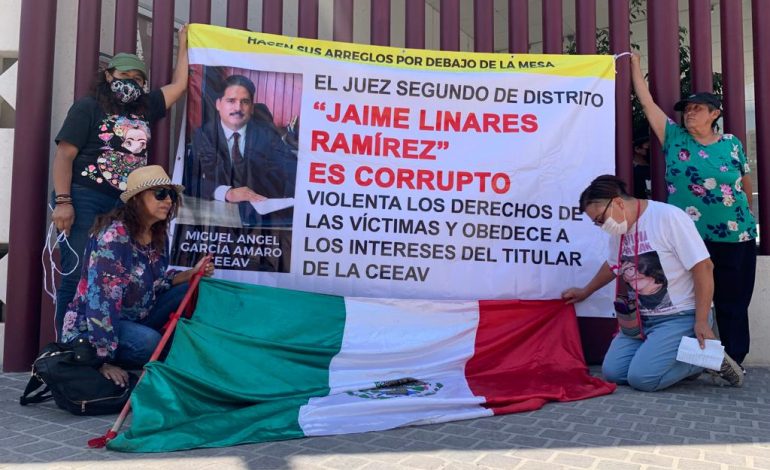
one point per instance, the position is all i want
(234, 40)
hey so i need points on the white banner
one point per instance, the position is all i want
(389, 172)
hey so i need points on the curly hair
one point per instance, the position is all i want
(100, 90)
(130, 215)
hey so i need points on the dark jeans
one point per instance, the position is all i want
(88, 203)
(734, 271)
(138, 340)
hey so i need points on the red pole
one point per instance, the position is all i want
(169, 328)
(160, 71)
(518, 26)
(87, 50)
(126, 12)
(620, 34)
(380, 23)
(760, 19)
(342, 27)
(663, 34)
(483, 26)
(30, 177)
(200, 11)
(734, 103)
(700, 46)
(450, 25)
(272, 16)
(553, 42)
(415, 25)
(585, 11)
(308, 19)
(596, 333)
(238, 14)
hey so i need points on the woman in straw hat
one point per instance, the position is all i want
(105, 135)
(125, 294)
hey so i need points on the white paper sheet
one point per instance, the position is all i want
(691, 353)
(271, 205)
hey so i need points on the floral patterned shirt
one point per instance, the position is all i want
(705, 181)
(121, 280)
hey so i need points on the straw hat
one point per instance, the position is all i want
(147, 177)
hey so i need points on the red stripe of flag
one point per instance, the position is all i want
(528, 353)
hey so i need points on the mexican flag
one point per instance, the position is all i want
(257, 364)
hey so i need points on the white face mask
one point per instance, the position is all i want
(613, 227)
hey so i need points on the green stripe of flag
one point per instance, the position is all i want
(206, 394)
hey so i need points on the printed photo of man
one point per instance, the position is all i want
(241, 156)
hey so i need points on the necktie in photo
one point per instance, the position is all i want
(235, 152)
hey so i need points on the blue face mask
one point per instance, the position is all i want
(126, 90)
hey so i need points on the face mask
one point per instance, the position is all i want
(612, 227)
(126, 90)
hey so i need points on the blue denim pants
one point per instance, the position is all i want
(651, 365)
(88, 204)
(138, 340)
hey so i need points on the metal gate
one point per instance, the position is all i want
(35, 74)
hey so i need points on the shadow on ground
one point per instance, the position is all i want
(697, 424)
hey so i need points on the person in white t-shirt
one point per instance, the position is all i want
(667, 273)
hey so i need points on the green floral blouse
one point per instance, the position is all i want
(705, 181)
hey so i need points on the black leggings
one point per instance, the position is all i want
(734, 271)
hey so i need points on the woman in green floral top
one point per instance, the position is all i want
(125, 294)
(707, 175)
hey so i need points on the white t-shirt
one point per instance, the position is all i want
(669, 246)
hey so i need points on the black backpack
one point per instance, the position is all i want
(70, 375)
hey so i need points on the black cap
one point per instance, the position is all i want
(703, 98)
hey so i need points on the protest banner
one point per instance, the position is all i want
(393, 173)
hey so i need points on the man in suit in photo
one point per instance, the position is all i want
(240, 156)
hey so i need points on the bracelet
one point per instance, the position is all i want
(63, 195)
(61, 203)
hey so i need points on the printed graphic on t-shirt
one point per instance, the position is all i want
(645, 276)
(124, 149)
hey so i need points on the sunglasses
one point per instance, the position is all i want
(162, 193)
(599, 221)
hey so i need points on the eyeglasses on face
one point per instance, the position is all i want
(599, 221)
(162, 193)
